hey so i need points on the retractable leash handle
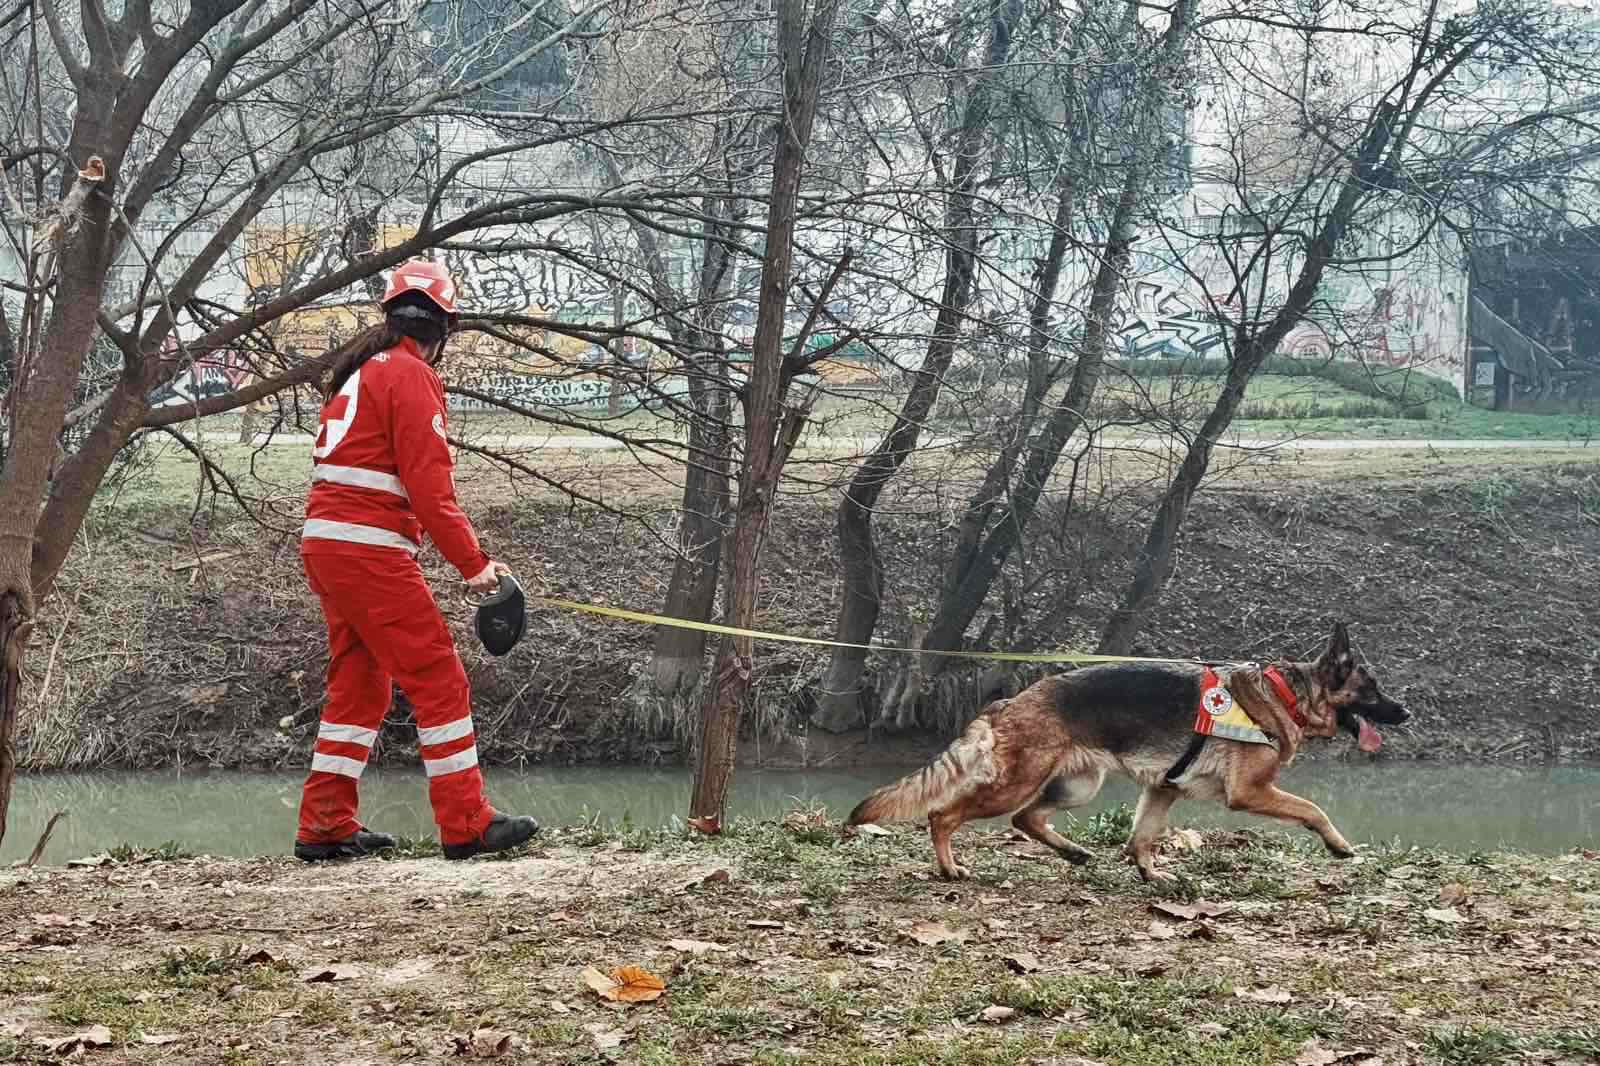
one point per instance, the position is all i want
(501, 616)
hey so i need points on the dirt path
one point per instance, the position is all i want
(783, 944)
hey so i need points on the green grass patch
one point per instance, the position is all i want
(169, 851)
(1471, 1045)
(1108, 828)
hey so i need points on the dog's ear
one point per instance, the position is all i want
(1336, 661)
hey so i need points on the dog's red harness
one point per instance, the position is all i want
(1291, 703)
(1210, 686)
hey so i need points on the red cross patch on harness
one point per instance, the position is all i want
(1219, 715)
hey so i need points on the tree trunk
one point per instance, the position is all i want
(1153, 565)
(678, 655)
(770, 431)
(676, 659)
(839, 703)
(979, 559)
(14, 628)
(619, 362)
(972, 572)
(46, 374)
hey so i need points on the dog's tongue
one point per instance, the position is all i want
(1370, 738)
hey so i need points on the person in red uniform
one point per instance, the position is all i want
(382, 476)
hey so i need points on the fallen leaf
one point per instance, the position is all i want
(558, 1007)
(1446, 915)
(1153, 968)
(96, 1036)
(57, 921)
(1403, 873)
(1073, 1060)
(160, 1039)
(93, 860)
(995, 1015)
(1022, 962)
(695, 947)
(1454, 894)
(763, 923)
(1211, 1029)
(605, 1038)
(1188, 912)
(874, 830)
(883, 964)
(1160, 930)
(1270, 994)
(716, 877)
(932, 934)
(1312, 1053)
(322, 975)
(1384, 901)
(486, 1044)
(1187, 839)
(12, 1030)
(626, 984)
(260, 958)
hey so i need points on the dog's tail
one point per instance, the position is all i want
(966, 765)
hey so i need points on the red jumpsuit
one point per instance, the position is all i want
(382, 477)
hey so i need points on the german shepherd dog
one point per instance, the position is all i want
(1051, 746)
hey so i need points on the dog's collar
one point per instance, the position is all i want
(1290, 702)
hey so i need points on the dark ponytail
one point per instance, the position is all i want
(407, 315)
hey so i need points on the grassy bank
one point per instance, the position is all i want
(185, 639)
(781, 943)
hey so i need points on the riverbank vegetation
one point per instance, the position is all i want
(188, 638)
(783, 943)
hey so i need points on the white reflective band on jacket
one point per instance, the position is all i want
(323, 529)
(359, 478)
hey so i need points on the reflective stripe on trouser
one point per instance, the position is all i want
(383, 625)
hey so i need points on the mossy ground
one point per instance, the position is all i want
(828, 950)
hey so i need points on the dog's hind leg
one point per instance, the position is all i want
(942, 826)
(1062, 791)
(1149, 825)
(1273, 802)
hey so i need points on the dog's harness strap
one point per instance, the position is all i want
(1189, 755)
(1286, 694)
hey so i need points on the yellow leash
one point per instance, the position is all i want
(757, 634)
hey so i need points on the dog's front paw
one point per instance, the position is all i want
(1076, 855)
(1340, 849)
(955, 873)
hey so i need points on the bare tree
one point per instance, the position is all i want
(1409, 136)
(862, 569)
(144, 144)
(771, 425)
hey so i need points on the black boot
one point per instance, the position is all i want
(503, 833)
(362, 842)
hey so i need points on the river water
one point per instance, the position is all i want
(1462, 808)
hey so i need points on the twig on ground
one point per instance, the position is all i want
(44, 838)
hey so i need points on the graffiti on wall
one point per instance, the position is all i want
(1402, 324)
(213, 374)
